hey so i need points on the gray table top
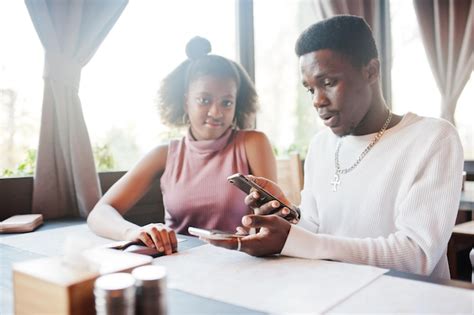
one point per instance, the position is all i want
(179, 302)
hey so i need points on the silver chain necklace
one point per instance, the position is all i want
(337, 175)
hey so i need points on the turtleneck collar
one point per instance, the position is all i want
(208, 146)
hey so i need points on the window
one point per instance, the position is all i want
(21, 89)
(287, 115)
(119, 85)
(413, 85)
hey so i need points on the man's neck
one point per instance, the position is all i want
(375, 118)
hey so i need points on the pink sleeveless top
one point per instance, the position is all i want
(194, 184)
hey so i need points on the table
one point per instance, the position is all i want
(20, 247)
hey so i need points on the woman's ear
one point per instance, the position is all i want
(185, 103)
(373, 70)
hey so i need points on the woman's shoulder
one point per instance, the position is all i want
(157, 156)
(253, 136)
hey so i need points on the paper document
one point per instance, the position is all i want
(403, 296)
(52, 242)
(273, 284)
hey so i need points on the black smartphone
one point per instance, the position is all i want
(246, 185)
(137, 247)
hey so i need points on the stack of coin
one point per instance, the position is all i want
(115, 294)
(150, 282)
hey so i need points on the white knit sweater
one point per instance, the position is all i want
(395, 210)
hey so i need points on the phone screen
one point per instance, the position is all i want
(212, 234)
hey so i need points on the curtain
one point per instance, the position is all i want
(376, 13)
(66, 182)
(447, 30)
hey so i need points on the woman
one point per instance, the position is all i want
(215, 98)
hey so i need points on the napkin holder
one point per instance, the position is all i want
(51, 286)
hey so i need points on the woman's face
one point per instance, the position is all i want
(210, 103)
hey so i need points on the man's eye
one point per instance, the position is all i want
(310, 91)
(329, 82)
(227, 103)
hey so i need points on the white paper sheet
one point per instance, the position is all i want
(274, 285)
(54, 242)
(396, 295)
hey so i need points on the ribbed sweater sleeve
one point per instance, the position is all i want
(423, 220)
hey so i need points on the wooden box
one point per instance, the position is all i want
(49, 286)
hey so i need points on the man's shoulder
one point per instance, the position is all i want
(437, 127)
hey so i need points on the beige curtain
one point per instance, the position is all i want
(364, 8)
(66, 182)
(376, 13)
(447, 31)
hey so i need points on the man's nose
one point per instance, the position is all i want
(319, 99)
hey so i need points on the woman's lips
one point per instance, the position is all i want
(213, 124)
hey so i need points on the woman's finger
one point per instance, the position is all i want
(173, 239)
(156, 236)
(146, 239)
(166, 241)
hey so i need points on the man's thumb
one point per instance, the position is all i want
(255, 221)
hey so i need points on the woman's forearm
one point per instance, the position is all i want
(107, 222)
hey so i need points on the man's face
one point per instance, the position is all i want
(340, 92)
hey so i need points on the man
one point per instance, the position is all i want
(380, 189)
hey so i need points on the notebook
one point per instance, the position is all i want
(21, 223)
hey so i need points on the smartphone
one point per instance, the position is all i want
(213, 234)
(246, 185)
(137, 247)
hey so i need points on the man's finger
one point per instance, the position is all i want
(229, 244)
(260, 181)
(251, 199)
(267, 208)
(258, 221)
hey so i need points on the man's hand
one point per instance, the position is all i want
(155, 235)
(270, 207)
(268, 241)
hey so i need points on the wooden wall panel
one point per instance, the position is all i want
(16, 198)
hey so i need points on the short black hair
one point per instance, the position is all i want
(200, 63)
(346, 34)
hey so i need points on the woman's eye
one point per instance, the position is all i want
(203, 101)
(227, 103)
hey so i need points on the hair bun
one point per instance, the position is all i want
(197, 47)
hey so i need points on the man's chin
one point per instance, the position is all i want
(339, 131)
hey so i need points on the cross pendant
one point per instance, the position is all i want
(336, 182)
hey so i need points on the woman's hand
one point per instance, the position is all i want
(155, 235)
(271, 207)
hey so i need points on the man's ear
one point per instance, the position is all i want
(372, 70)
